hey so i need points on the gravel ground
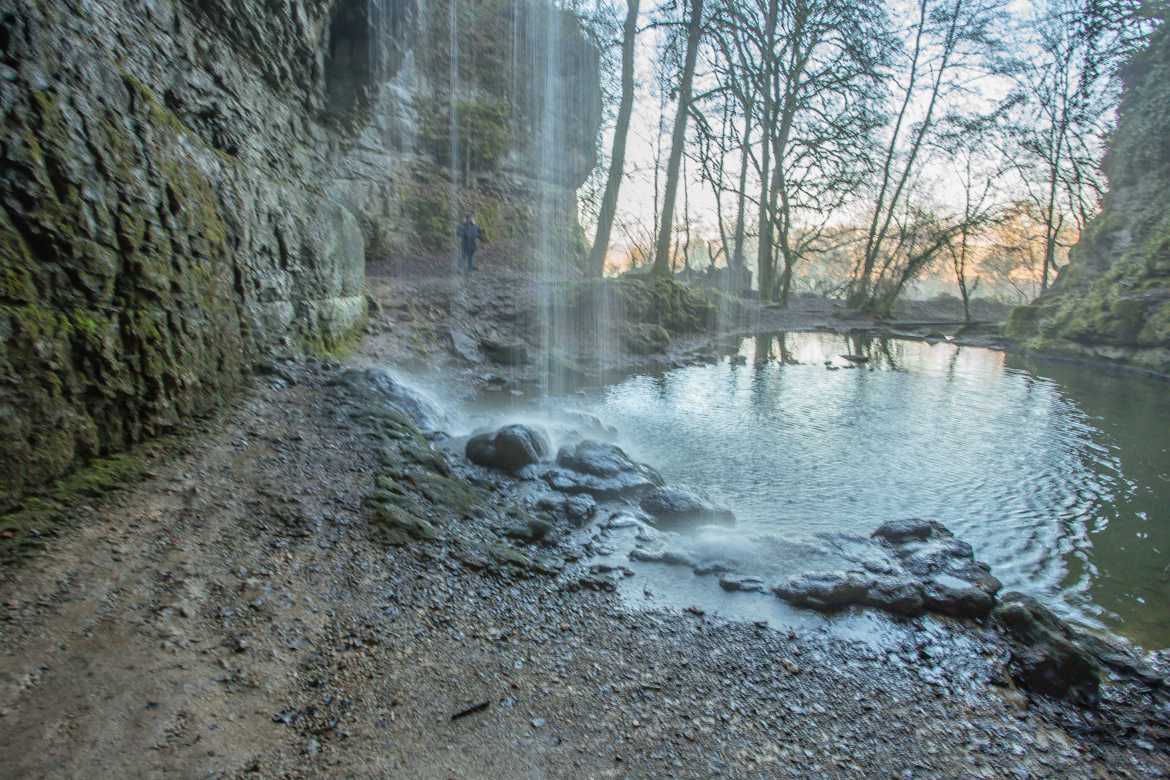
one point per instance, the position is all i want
(239, 613)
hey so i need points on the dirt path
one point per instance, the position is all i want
(236, 614)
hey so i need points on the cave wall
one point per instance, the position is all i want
(1112, 300)
(191, 185)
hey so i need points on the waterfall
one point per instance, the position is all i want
(454, 190)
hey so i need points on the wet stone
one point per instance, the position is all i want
(511, 448)
(600, 470)
(578, 509)
(908, 567)
(1048, 655)
(676, 506)
(736, 582)
(662, 555)
(532, 529)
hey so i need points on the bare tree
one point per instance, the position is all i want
(809, 82)
(678, 138)
(949, 38)
(1061, 99)
(618, 156)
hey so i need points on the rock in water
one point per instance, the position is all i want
(831, 591)
(914, 566)
(600, 459)
(600, 470)
(378, 386)
(734, 582)
(1046, 654)
(676, 506)
(954, 583)
(511, 448)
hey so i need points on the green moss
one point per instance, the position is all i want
(400, 527)
(1111, 299)
(482, 131)
(101, 476)
(16, 262)
(159, 114)
(325, 343)
(24, 530)
(429, 215)
(85, 322)
(1156, 330)
(37, 322)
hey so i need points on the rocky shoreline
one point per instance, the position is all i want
(320, 587)
(320, 582)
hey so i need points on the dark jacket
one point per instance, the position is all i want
(470, 234)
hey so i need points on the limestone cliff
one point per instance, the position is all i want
(189, 185)
(1112, 301)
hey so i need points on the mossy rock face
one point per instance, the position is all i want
(142, 267)
(178, 203)
(400, 527)
(1113, 298)
(482, 135)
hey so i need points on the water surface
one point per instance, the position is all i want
(1057, 474)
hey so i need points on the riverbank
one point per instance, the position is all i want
(244, 610)
(433, 321)
(484, 327)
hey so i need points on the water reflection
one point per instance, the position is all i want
(1058, 475)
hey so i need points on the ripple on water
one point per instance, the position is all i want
(1044, 471)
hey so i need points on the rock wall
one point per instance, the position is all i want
(1112, 300)
(189, 185)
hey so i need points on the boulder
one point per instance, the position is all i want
(600, 470)
(907, 567)
(511, 448)
(676, 506)
(832, 591)
(1047, 656)
(953, 582)
(577, 509)
(580, 508)
(824, 591)
(898, 531)
(532, 529)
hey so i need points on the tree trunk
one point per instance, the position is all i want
(785, 284)
(678, 139)
(613, 182)
(738, 261)
(764, 258)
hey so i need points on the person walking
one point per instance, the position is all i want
(470, 234)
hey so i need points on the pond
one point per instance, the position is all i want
(1057, 474)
